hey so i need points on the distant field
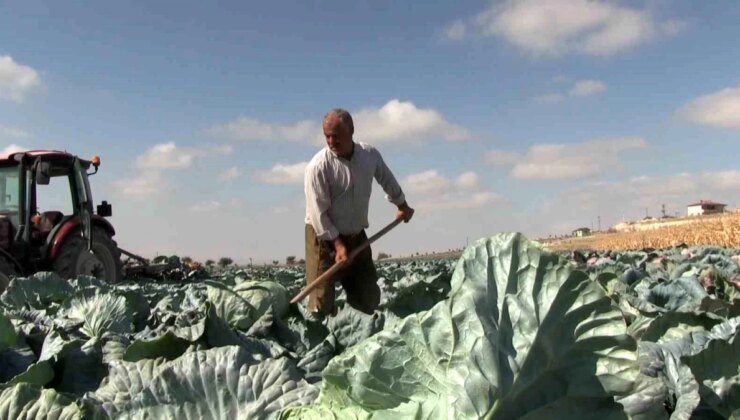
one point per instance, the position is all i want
(718, 230)
(721, 230)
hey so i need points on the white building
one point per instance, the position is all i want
(584, 231)
(705, 207)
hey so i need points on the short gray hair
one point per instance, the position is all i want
(344, 117)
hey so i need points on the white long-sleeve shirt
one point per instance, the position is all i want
(338, 190)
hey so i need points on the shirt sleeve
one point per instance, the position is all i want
(387, 181)
(318, 201)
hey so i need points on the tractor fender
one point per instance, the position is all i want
(59, 234)
(15, 262)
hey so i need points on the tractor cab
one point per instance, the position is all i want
(47, 220)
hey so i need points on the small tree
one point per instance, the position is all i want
(186, 260)
(275, 262)
(209, 263)
(383, 255)
(225, 262)
(290, 260)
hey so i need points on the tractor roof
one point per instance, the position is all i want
(49, 153)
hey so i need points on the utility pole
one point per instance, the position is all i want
(599, 223)
(663, 210)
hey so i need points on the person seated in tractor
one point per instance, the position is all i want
(43, 223)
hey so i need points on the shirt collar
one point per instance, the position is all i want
(352, 154)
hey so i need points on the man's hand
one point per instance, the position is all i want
(404, 212)
(340, 251)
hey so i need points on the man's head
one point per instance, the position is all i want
(338, 130)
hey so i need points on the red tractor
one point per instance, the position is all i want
(53, 229)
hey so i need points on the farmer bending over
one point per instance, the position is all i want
(338, 182)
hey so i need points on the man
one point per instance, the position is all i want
(338, 182)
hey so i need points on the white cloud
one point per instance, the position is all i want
(170, 156)
(393, 122)
(163, 157)
(403, 121)
(499, 157)
(12, 132)
(167, 156)
(656, 186)
(587, 88)
(146, 184)
(455, 30)
(579, 88)
(229, 174)
(628, 199)
(16, 80)
(206, 206)
(555, 27)
(459, 200)
(251, 129)
(12, 148)
(283, 174)
(560, 161)
(718, 109)
(426, 182)
(434, 191)
(726, 180)
(467, 180)
(480, 199)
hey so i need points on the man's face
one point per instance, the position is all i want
(338, 137)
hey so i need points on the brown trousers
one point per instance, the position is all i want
(359, 279)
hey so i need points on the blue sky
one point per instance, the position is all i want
(535, 116)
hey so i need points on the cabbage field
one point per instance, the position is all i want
(507, 331)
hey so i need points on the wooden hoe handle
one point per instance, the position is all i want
(338, 266)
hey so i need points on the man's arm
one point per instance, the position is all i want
(393, 191)
(318, 201)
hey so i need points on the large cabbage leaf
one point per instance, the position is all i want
(43, 290)
(220, 383)
(717, 369)
(265, 295)
(230, 306)
(101, 314)
(26, 401)
(521, 334)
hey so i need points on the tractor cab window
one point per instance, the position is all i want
(57, 195)
(9, 190)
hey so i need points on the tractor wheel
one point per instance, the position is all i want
(7, 270)
(104, 262)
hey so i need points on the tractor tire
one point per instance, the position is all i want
(103, 263)
(7, 271)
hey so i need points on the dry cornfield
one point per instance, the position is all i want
(720, 231)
